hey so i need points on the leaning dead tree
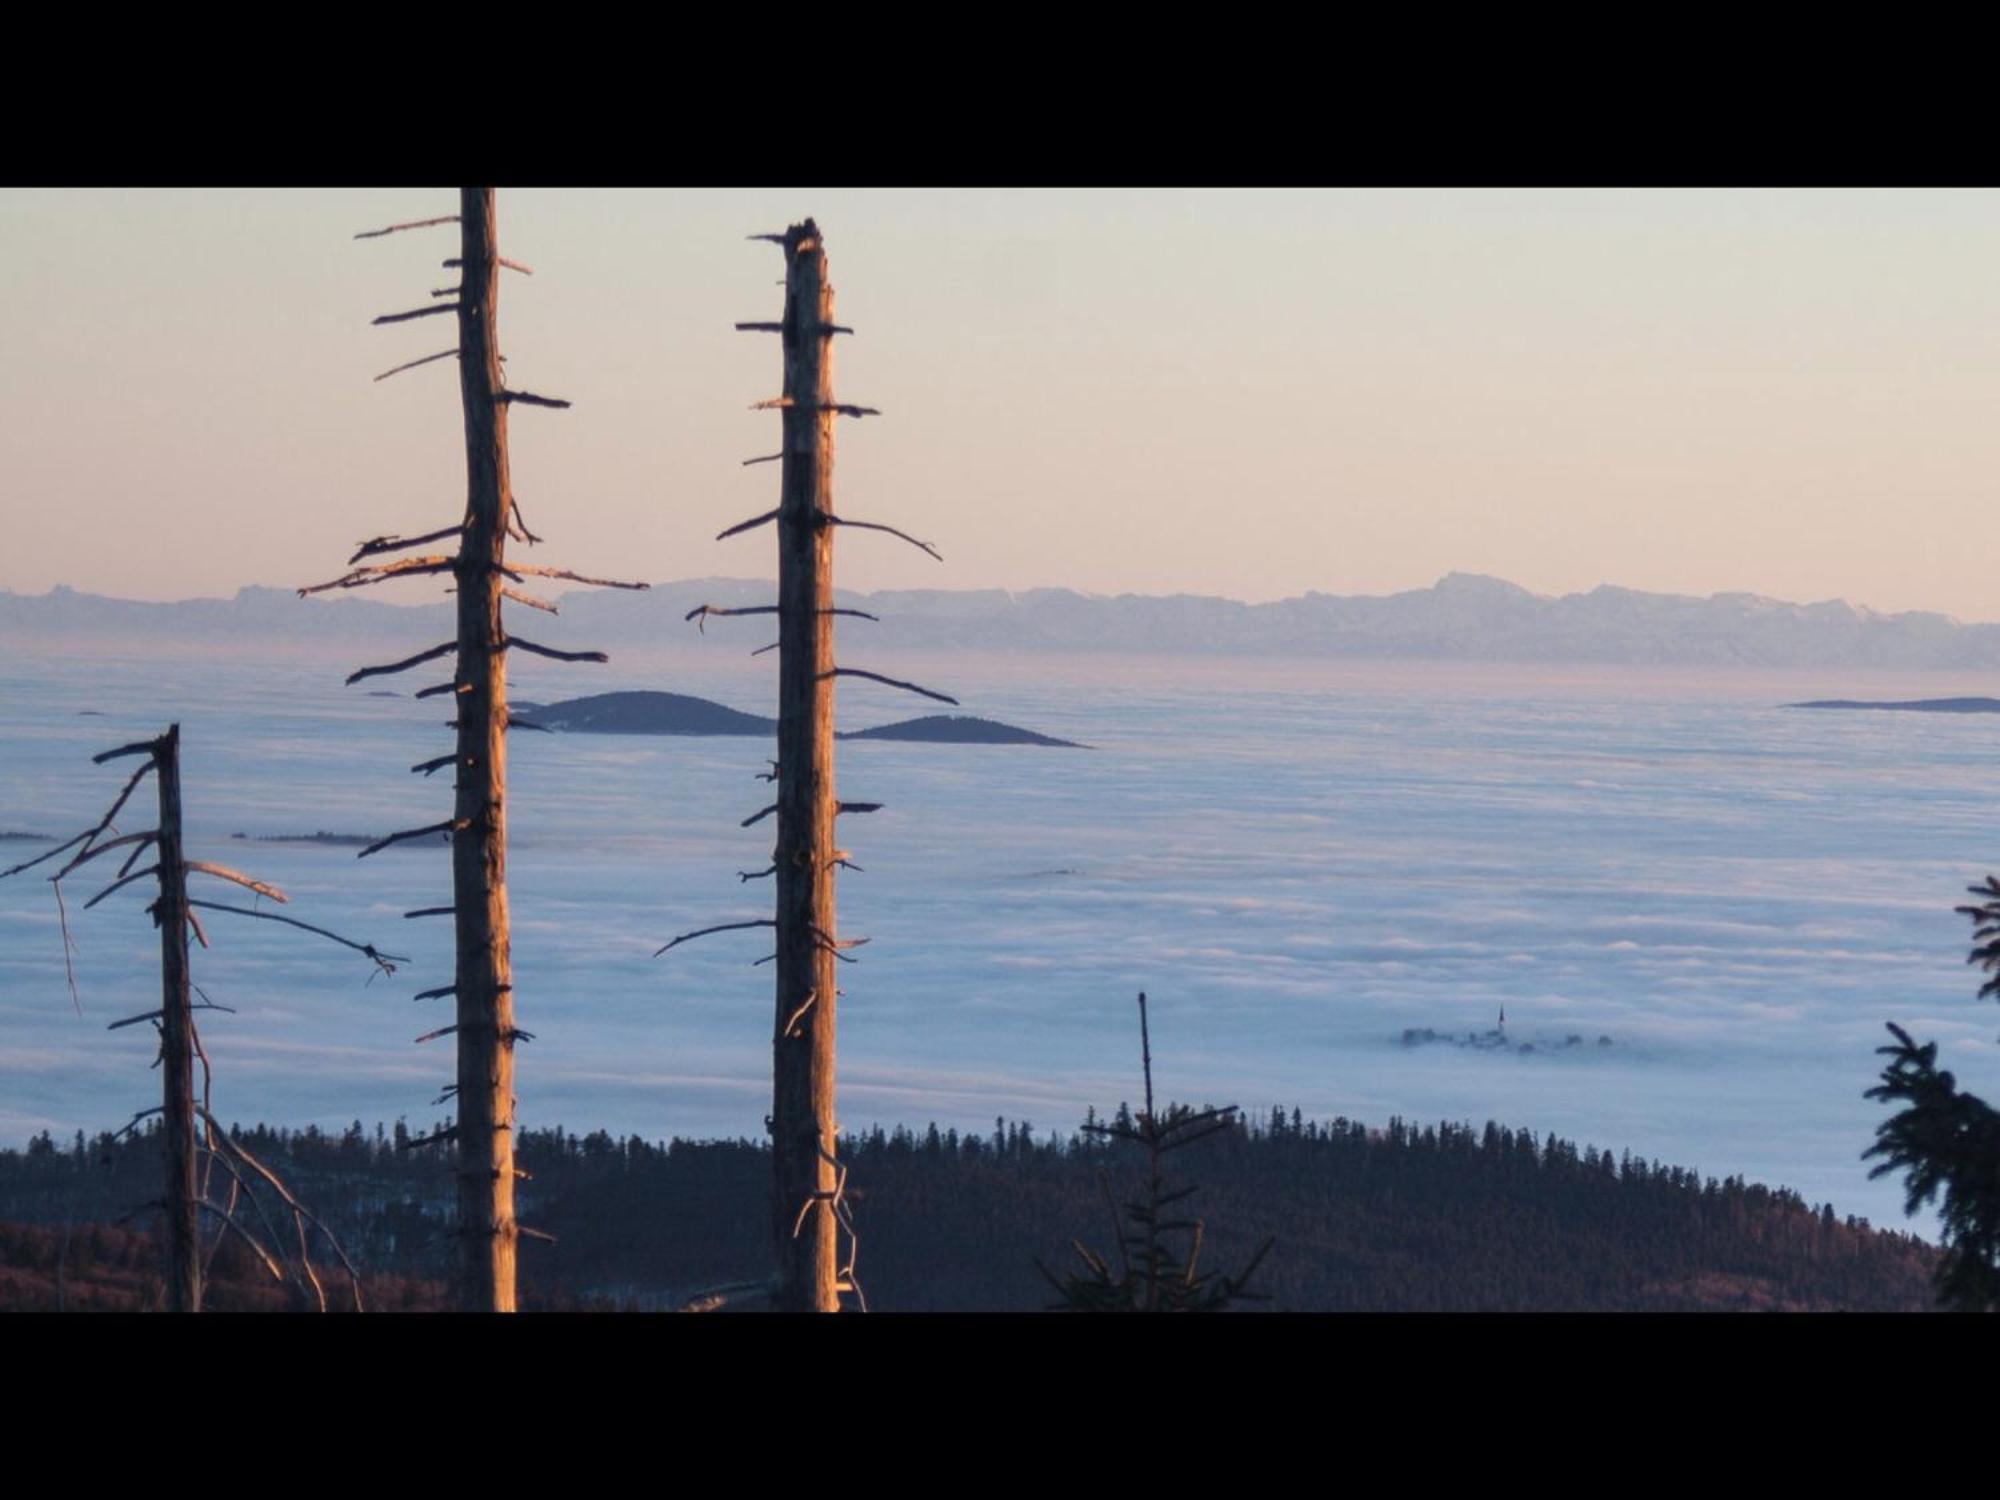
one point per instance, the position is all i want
(809, 1208)
(482, 982)
(192, 1156)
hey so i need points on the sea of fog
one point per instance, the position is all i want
(1298, 862)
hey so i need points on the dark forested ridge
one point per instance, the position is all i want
(1433, 1218)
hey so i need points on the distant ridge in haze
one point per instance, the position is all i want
(1913, 706)
(1463, 617)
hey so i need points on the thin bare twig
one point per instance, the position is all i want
(829, 519)
(385, 961)
(688, 937)
(908, 687)
(447, 827)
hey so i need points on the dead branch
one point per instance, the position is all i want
(415, 312)
(688, 937)
(362, 578)
(436, 689)
(551, 653)
(431, 1036)
(133, 858)
(448, 827)
(533, 1234)
(767, 458)
(300, 1212)
(386, 962)
(428, 358)
(518, 526)
(430, 911)
(856, 807)
(137, 747)
(47, 854)
(403, 666)
(194, 926)
(116, 884)
(437, 994)
(154, 1015)
(87, 855)
(512, 265)
(760, 327)
(436, 763)
(747, 875)
(701, 612)
(223, 872)
(602, 583)
(908, 687)
(758, 817)
(529, 398)
(229, 1223)
(750, 525)
(377, 545)
(520, 596)
(791, 1026)
(376, 234)
(827, 518)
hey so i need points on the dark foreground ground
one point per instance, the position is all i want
(1437, 1218)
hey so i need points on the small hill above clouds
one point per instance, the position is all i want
(1463, 617)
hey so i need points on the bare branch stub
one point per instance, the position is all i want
(375, 546)
(404, 665)
(376, 234)
(513, 641)
(412, 364)
(432, 310)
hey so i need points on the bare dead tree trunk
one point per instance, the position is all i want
(483, 978)
(176, 1039)
(802, 1113)
(809, 1205)
(482, 986)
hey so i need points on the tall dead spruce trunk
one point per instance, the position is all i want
(808, 1206)
(803, 1126)
(482, 978)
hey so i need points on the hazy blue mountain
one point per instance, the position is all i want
(1462, 617)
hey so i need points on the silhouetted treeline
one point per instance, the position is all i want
(1404, 1218)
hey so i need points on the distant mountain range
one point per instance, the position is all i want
(1462, 617)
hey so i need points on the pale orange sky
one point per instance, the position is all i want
(1248, 393)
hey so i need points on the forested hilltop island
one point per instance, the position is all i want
(1405, 1218)
(646, 712)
